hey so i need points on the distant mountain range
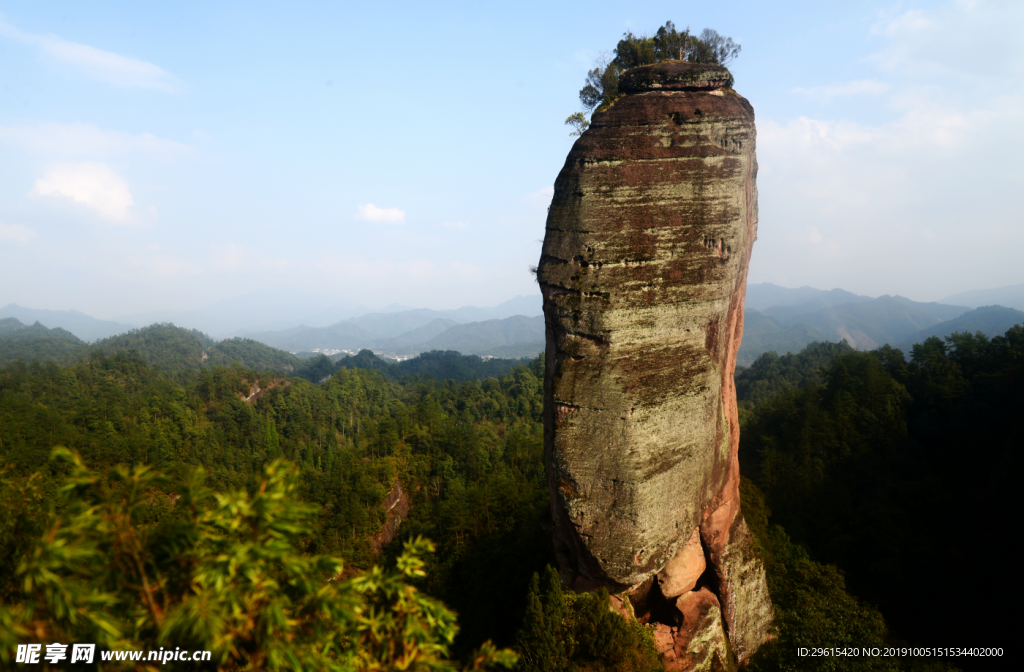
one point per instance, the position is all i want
(81, 325)
(258, 310)
(282, 309)
(989, 320)
(767, 295)
(503, 330)
(786, 320)
(777, 318)
(1011, 296)
(516, 336)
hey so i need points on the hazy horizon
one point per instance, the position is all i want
(169, 158)
(342, 311)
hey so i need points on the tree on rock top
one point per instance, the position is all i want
(601, 88)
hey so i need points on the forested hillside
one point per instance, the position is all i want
(861, 469)
(762, 333)
(180, 352)
(901, 474)
(20, 341)
(171, 348)
(989, 320)
(469, 455)
(118, 410)
(771, 375)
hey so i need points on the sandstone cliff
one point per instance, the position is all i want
(643, 273)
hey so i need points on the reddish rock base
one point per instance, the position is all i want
(689, 631)
(692, 604)
(699, 641)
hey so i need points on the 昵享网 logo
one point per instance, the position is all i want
(55, 653)
(34, 654)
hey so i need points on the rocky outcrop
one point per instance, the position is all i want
(255, 391)
(643, 273)
(396, 507)
(682, 571)
(698, 642)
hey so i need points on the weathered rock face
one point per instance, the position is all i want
(698, 642)
(643, 273)
(396, 507)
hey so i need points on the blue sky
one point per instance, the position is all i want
(168, 157)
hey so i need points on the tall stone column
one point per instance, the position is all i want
(643, 273)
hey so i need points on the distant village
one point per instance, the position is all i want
(330, 352)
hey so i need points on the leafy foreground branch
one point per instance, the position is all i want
(124, 568)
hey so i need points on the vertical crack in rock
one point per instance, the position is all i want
(643, 273)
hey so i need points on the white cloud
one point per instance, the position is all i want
(16, 233)
(868, 206)
(92, 184)
(372, 213)
(913, 199)
(104, 66)
(420, 269)
(861, 87)
(972, 42)
(80, 139)
(804, 133)
(925, 125)
(812, 236)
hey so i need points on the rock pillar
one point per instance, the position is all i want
(643, 273)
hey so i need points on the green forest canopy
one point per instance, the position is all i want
(859, 456)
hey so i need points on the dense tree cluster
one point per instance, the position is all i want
(352, 436)
(563, 631)
(469, 455)
(770, 375)
(124, 569)
(861, 467)
(811, 604)
(28, 342)
(601, 88)
(882, 465)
